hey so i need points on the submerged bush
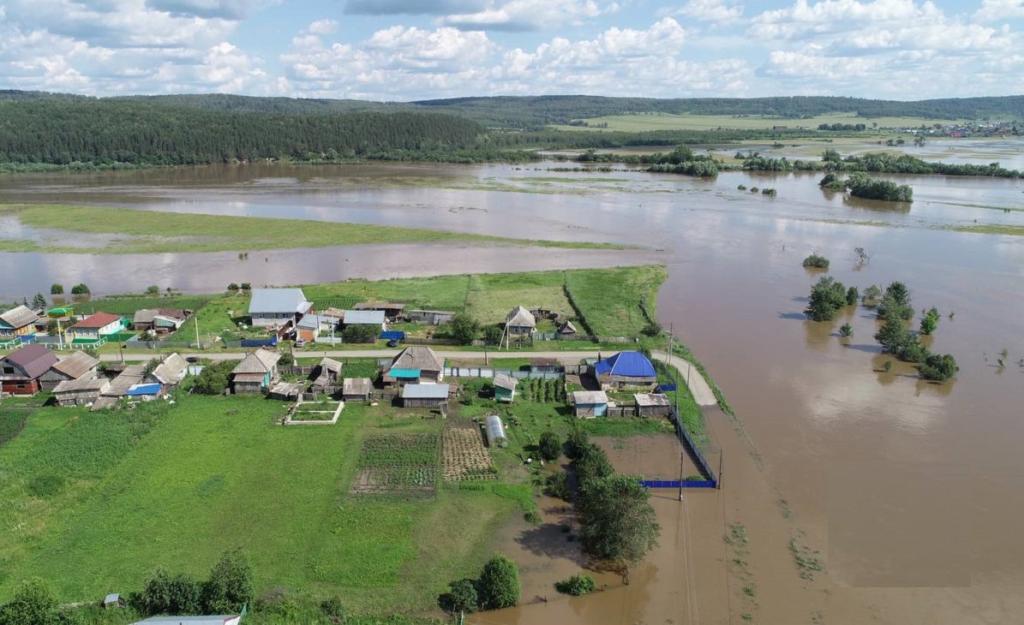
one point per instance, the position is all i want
(576, 585)
(814, 261)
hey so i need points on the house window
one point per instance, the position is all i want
(8, 370)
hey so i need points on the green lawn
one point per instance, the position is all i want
(143, 232)
(128, 304)
(640, 122)
(610, 298)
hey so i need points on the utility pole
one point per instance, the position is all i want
(195, 318)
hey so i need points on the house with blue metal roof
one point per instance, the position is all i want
(625, 370)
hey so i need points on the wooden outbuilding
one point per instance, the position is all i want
(504, 387)
(652, 405)
(590, 404)
(76, 366)
(80, 392)
(356, 389)
(425, 395)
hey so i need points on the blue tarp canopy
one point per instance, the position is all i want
(404, 373)
(626, 364)
(393, 335)
(143, 389)
(269, 342)
(665, 388)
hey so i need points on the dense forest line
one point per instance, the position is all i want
(83, 130)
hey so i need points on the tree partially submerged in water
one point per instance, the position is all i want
(938, 368)
(618, 522)
(815, 261)
(863, 186)
(828, 296)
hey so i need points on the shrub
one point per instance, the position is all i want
(492, 335)
(846, 330)
(549, 446)
(164, 594)
(360, 334)
(592, 464)
(930, 321)
(557, 485)
(769, 192)
(938, 368)
(214, 378)
(229, 586)
(815, 261)
(576, 442)
(498, 586)
(852, 296)
(461, 597)
(576, 585)
(333, 610)
(463, 328)
(56, 289)
(33, 604)
(827, 297)
(233, 288)
(651, 329)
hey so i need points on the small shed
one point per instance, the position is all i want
(590, 404)
(80, 392)
(308, 328)
(391, 310)
(285, 390)
(431, 317)
(425, 395)
(652, 405)
(567, 330)
(495, 431)
(356, 389)
(504, 387)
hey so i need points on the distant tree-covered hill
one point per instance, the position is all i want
(64, 130)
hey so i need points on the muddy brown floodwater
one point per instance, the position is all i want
(908, 495)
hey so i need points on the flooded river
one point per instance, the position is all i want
(910, 492)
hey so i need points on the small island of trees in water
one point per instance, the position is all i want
(862, 186)
(892, 306)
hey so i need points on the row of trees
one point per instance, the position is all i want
(890, 163)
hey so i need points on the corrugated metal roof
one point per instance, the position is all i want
(627, 364)
(34, 360)
(76, 365)
(220, 619)
(309, 322)
(363, 317)
(398, 372)
(19, 317)
(97, 320)
(356, 386)
(425, 391)
(278, 301)
(650, 399)
(138, 390)
(81, 384)
(505, 381)
(172, 370)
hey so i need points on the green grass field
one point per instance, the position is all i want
(144, 232)
(216, 473)
(640, 122)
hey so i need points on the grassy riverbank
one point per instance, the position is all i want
(124, 231)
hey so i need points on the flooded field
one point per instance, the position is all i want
(909, 492)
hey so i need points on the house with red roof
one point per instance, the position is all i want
(95, 327)
(21, 369)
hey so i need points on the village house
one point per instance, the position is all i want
(430, 317)
(520, 322)
(308, 328)
(277, 309)
(17, 322)
(504, 387)
(590, 404)
(567, 330)
(330, 318)
(375, 318)
(326, 374)
(425, 395)
(76, 366)
(356, 389)
(256, 372)
(652, 405)
(130, 377)
(391, 310)
(80, 392)
(21, 369)
(159, 320)
(415, 365)
(94, 328)
(626, 370)
(171, 371)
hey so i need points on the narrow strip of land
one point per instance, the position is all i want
(699, 387)
(60, 229)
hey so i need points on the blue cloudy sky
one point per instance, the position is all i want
(415, 49)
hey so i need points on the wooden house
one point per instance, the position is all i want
(652, 405)
(414, 365)
(76, 366)
(626, 370)
(504, 387)
(356, 389)
(590, 404)
(21, 369)
(425, 395)
(277, 310)
(159, 320)
(17, 322)
(256, 372)
(520, 322)
(94, 328)
(80, 392)
(131, 376)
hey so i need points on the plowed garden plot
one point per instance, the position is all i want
(464, 455)
(397, 464)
